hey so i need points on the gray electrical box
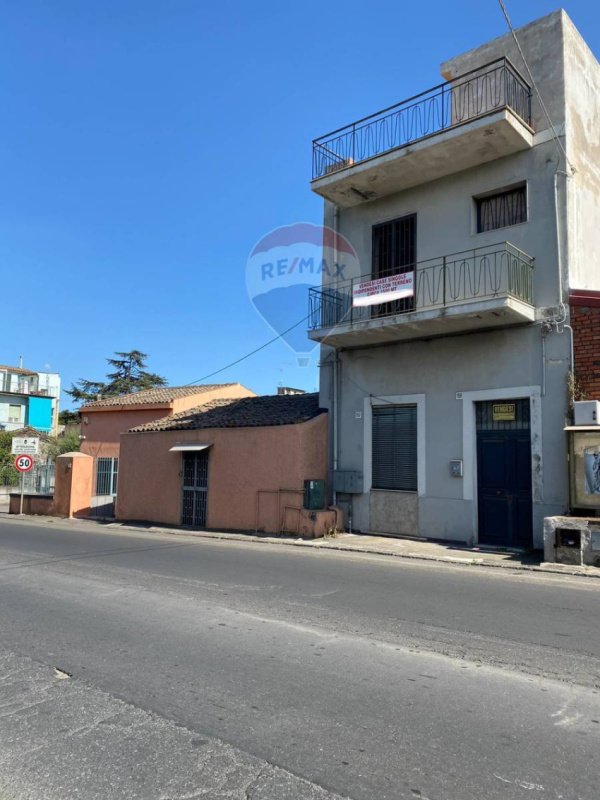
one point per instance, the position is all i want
(347, 481)
(456, 468)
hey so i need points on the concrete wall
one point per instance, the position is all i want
(583, 149)
(446, 216)
(430, 374)
(74, 478)
(567, 75)
(242, 462)
(104, 428)
(72, 490)
(542, 42)
(32, 504)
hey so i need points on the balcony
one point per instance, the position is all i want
(480, 116)
(485, 288)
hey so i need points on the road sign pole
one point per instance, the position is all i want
(24, 463)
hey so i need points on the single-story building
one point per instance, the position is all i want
(230, 464)
(105, 419)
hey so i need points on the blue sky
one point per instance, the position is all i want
(146, 146)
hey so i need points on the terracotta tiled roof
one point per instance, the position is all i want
(16, 370)
(163, 394)
(29, 431)
(246, 412)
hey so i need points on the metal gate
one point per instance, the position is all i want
(195, 489)
(105, 487)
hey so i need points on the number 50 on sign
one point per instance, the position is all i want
(24, 463)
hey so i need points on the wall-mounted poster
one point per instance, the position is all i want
(584, 468)
(591, 469)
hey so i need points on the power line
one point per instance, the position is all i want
(559, 144)
(251, 353)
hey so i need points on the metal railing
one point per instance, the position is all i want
(489, 88)
(40, 480)
(500, 270)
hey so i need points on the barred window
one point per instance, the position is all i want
(107, 470)
(502, 209)
(395, 447)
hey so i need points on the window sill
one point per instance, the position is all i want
(395, 491)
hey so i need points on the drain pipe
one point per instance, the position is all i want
(336, 370)
(563, 309)
(559, 246)
(545, 328)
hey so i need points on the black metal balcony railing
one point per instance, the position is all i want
(494, 86)
(500, 270)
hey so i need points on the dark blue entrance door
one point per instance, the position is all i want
(504, 475)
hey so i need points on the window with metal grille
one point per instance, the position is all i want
(107, 470)
(394, 446)
(502, 209)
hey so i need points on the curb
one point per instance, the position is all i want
(329, 544)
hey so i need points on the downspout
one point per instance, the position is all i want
(563, 309)
(336, 225)
(559, 247)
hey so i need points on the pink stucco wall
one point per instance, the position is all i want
(242, 461)
(103, 428)
(72, 490)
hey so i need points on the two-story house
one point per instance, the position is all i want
(446, 362)
(28, 399)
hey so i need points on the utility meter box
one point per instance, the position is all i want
(314, 495)
(348, 481)
(586, 412)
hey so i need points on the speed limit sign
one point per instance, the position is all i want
(24, 463)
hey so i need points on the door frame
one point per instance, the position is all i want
(533, 393)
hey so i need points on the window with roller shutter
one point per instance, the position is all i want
(394, 447)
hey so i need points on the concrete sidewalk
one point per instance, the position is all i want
(417, 549)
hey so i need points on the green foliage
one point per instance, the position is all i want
(9, 476)
(57, 445)
(68, 417)
(129, 375)
(5, 447)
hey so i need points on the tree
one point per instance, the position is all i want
(57, 445)
(68, 417)
(130, 375)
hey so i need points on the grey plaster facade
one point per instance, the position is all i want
(447, 359)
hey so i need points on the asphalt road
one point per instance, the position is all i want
(355, 676)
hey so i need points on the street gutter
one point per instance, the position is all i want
(329, 543)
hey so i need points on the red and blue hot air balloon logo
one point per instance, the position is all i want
(284, 265)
